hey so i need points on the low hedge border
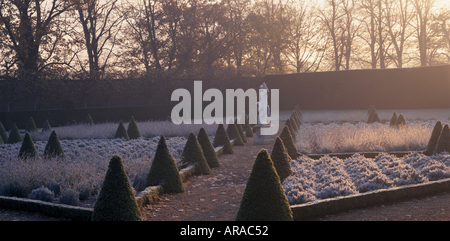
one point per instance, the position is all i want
(148, 196)
(377, 197)
(365, 154)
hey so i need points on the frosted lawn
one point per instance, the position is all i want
(86, 162)
(148, 129)
(363, 137)
(331, 177)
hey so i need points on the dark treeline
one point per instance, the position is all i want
(87, 50)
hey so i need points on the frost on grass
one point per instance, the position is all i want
(85, 164)
(362, 137)
(331, 177)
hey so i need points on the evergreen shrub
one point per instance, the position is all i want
(116, 201)
(208, 149)
(3, 133)
(164, 171)
(121, 132)
(46, 127)
(264, 198)
(31, 126)
(233, 133)
(28, 150)
(289, 143)
(393, 120)
(248, 128)
(281, 160)
(401, 121)
(437, 129)
(443, 143)
(14, 135)
(53, 147)
(221, 139)
(88, 120)
(133, 130)
(193, 155)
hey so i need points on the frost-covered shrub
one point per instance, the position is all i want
(3, 133)
(365, 174)
(46, 127)
(397, 171)
(53, 147)
(14, 135)
(221, 138)
(193, 155)
(264, 198)
(138, 183)
(443, 143)
(437, 129)
(31, 126)
(233, 133)
(207, 148)
(70, 197)
(54, 187)
(14, 189)
(42, 193)
(401, 121)
(393, 120)
(28, 150)
(133, 129)
(85, 191)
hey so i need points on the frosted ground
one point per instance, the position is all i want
(325, 132)
(331, 177)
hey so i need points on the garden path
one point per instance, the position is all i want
(213, 197)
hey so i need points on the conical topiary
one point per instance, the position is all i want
(294, 123)
(281, 159)
(241, 132)
(31, 126)
(116, 201)
(264, 198)
(53, 147)
(233, 133)
(46, 127)
(28, 150)
(443, 143)
(393, 120)
(193, 155)
(248, 128)
(221, 139)
(401, 121)
(164, 171)
(434, 138)
(1, 141)
(289, 143)
(133, 130)
(3, 133)
(208, 149)
(291, 129)
(14, 135)
(121, 132)
(88, 120)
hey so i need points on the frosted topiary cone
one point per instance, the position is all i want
(291, 129)
(31, 126)
(121, 132)
(116, 201)
(133, 130)
(264, 198)
(164, 171)
(393, 120)
(207, 148)
(443, 143)
(53, 147)
(401, 121)
(248, 128)
(289, 143)
(233, 133)
(437, 129)
(221, 139)
(3, 133)
(281, 159)
(46, 127)
(14, 135)
(193, 155)
(28, 150)
(88, 120)
(241, 132)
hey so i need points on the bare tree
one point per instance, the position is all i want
(29, 25)
(423, 15)
(332, 18)
(305, 45)
(398, 16)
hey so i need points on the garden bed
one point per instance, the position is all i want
(331, 177)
